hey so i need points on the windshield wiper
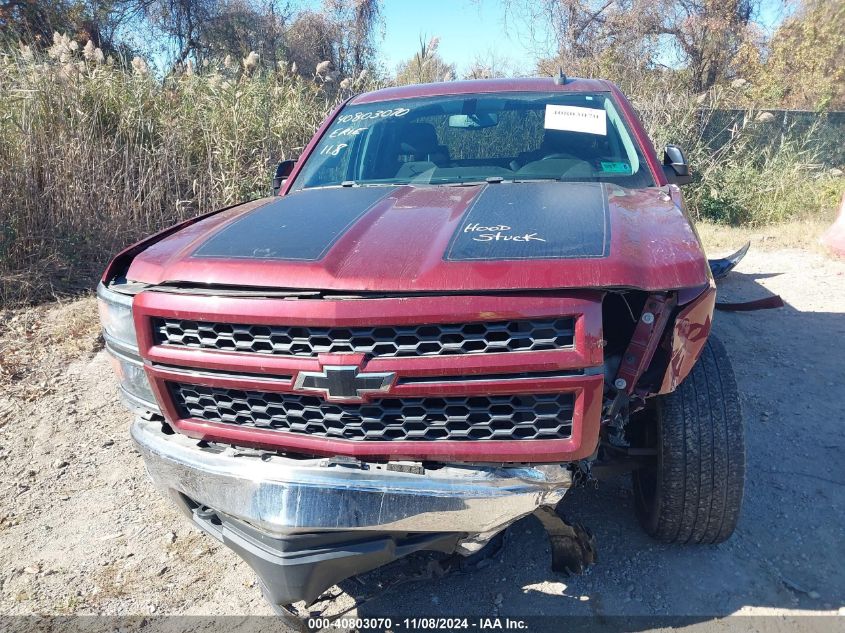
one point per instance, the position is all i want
(352, 183)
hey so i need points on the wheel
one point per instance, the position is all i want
(692, 491)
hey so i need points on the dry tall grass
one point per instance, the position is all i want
(748, 170)
(94, 156)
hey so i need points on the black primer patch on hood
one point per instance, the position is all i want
(301, 226)
(541, 220)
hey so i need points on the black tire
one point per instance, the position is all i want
(692, 493)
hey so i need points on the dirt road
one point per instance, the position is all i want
(83, 531)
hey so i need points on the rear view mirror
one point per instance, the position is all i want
(474, 121)
(283, 170)
(675, 166)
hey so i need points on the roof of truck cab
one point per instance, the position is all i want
(475, 86)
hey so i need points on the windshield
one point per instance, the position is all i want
(572, 137)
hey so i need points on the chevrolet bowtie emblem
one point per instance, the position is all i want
(340, 382)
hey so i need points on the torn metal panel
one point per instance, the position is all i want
(766, 303)
(721, 267)
(647, 333)
(688, 336)
(573, 545)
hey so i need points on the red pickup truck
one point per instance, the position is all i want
(463, 299)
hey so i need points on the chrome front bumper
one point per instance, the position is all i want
(281, 496)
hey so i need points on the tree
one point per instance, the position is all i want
(426, 66)
(803, 68)
(343, 32)
(709, 34)
(243, 27)
(310, 41)
(584, 36)
(355, 25)
(181, 22)
(33, 22)
(201, 29)
(490, 64)
(613, 35)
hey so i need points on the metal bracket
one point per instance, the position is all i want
(573, 545)
(635, 360)
(638, 355)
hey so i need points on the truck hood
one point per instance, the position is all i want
(483, 237)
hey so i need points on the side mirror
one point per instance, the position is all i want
(675, 166)
(283, 170)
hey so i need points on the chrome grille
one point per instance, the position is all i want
(381, 341)
(498, 417)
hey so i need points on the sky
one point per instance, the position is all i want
(466, 28)
(471, 28)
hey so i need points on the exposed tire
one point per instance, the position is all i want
(692, 493)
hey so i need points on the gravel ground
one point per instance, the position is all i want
(82, 531)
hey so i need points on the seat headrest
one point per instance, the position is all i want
(418, 139)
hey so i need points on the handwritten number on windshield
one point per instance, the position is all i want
(333, 150)
(374, 114)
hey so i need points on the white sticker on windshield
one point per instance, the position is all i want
(576, 119)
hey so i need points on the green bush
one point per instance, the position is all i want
(773, 187)
(747, 168)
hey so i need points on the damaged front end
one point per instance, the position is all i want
(306, 524)
(312, 489)
(315, 466)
